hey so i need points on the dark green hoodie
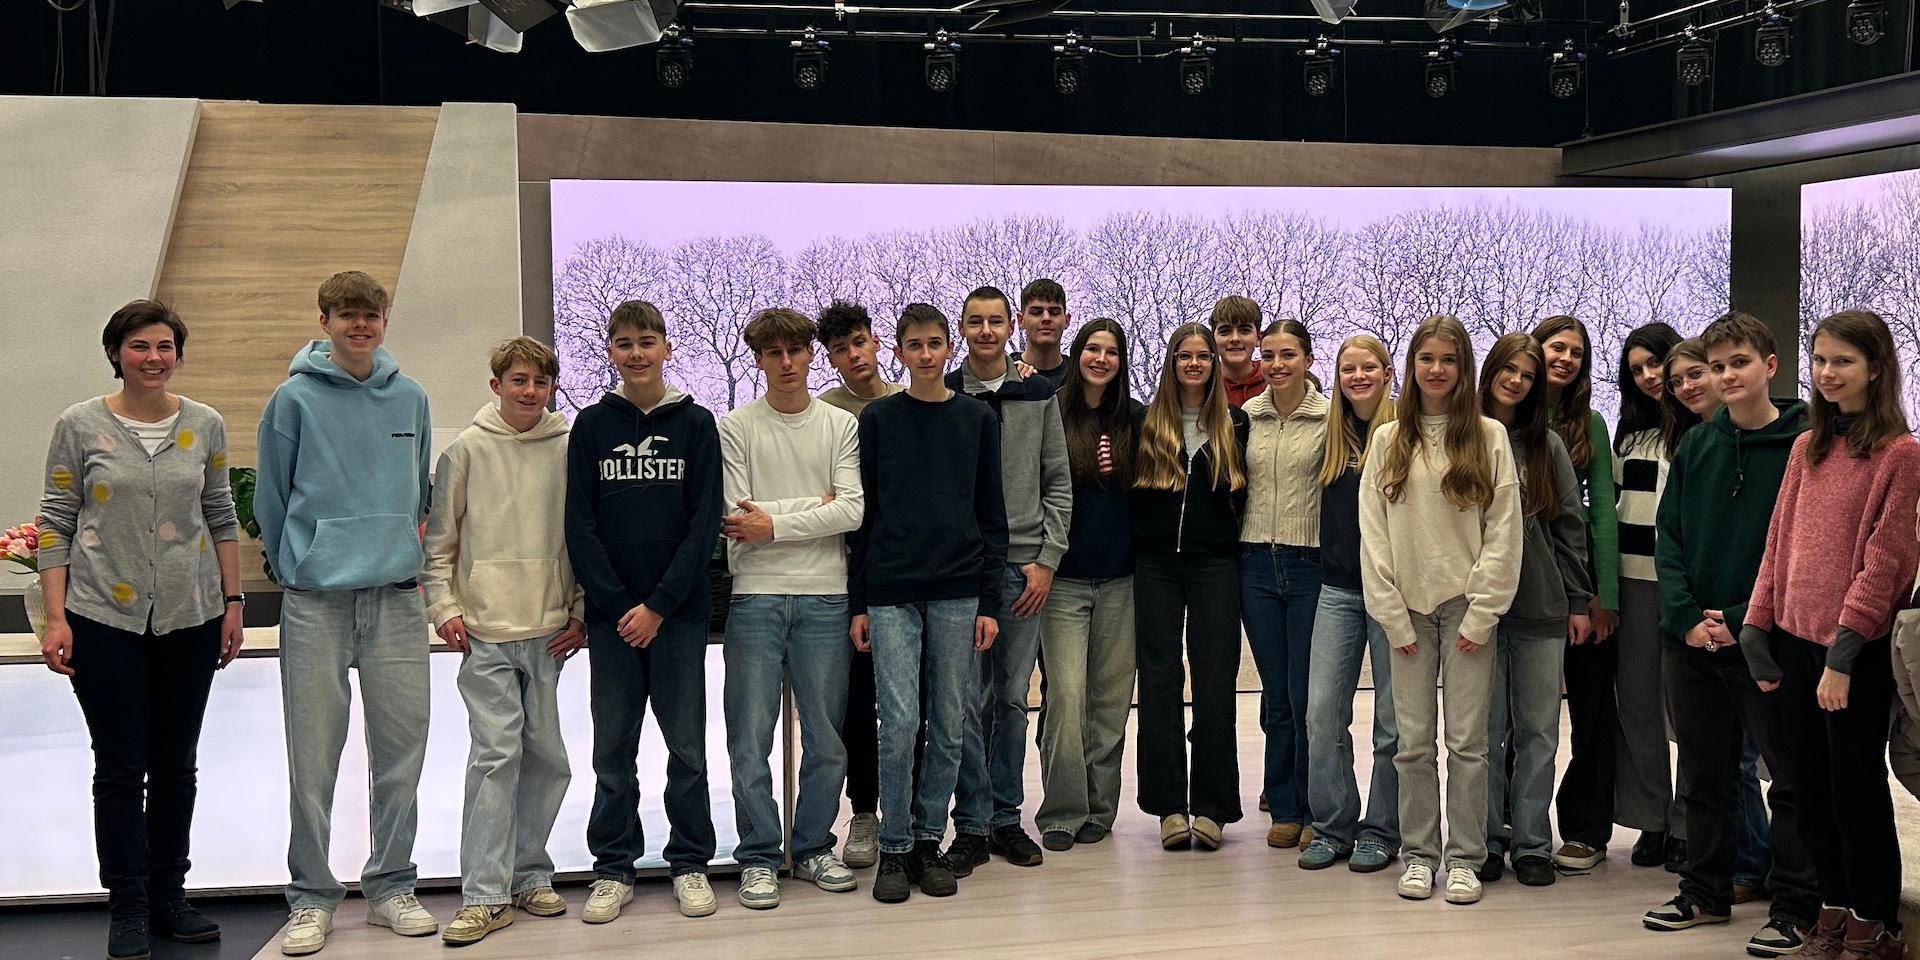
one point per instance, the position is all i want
(1712, 526)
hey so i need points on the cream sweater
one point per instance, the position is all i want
(1420, 552)
(1283, 471)
(496, 536)
(785, 463)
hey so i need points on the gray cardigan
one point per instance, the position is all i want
(1034, 473)
(1555, 581)
(136, 532)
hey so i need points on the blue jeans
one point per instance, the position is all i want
(381, 632)
(1279, 591)
(517, 771)
(672, 672)
(909, 812)
(1753, 858)
(993, 751)
(1342, 635)
(1526, 706)
(804, 639)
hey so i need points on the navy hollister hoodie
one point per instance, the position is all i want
(643, 506)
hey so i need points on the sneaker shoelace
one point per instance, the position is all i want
(312, 915)
(823, 863)
(1464, 876)
(753, 875)
(1420, 873)
(475, 914)
(863, 830)
(604, 889)
(693, 882)
(406, 903)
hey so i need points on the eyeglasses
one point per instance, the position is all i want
(1695, 375)
(1185, 358)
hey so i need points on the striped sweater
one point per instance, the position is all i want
(1640, 475)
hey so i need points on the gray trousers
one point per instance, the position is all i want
(1468, 678)
(1643, 794)
(517, 770)
(1086, 652)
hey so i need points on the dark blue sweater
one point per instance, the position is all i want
(1100, 542)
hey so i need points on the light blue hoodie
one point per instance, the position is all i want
(342, 485)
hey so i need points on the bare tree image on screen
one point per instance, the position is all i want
(1857, 242)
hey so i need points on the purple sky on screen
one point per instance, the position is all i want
(1857, 238)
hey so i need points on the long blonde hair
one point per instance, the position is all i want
(1158, 466)
(1468, 480)
(1345, 446)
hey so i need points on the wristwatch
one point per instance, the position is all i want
(239, 598)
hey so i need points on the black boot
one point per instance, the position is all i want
(1651, 849)
(178, 920)
(127, 938)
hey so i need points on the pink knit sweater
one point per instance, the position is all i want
(1841, 549)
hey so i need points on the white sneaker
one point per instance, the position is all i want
(695, 895)
(404, 915)
(605, 899)
(307, 931)
(1463, 886)
(826, 873)
(759, 889)
(863, 841)
(1417, 882)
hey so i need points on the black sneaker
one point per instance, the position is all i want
(1651, 849)
(180, 921)
(1680, 913)
(127, 938)
(967, 851)
(891, 884)
(1057, 840)
(1090, 833)
(1013, 843)
(1777, 939)
(928, 868)
(1676, 855)
(1533, 871)
(1491, 869)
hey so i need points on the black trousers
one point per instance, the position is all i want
(1197, 597)
(862, 736)
(1584, 804)
(144, 697)
(1837, 764)
(1716, 705)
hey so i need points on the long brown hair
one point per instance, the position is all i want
(1298, 331)
(1468, 479)
(1883, 419)
(1161, 436)
(1345, 446)
(1539, 484)
(1083, 423)
(1573, 414)
(1675, 418)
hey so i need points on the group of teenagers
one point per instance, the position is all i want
(1725, 570)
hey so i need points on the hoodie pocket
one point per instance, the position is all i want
(514, 596)
(364, 551)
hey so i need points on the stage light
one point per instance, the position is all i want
(1866, 21)
(1693, 62)
(1070, 65)
(1439, 70)
(674, 61)
(1773, 41)
(943, 67)
(1565, 72)
(1317, 74)
(809, 61)
(1196, 66)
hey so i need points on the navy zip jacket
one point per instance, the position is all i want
(643, 507)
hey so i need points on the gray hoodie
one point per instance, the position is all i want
(1554, 579)
(1035, 476)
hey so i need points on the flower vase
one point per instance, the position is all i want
(36, 602)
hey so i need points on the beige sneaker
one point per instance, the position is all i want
(1207, 833)
(1176, 831)
(541, 902)
(307, 931)
(863, 841)
(404, 915)
(474, 922)
(605, 900)
(695, 895)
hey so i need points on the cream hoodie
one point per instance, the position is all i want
(496, 536)
(1420, 552)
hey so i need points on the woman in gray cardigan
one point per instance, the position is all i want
(140, 563)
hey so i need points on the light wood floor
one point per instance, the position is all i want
(1123, 897)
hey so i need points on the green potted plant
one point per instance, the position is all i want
(242, 480)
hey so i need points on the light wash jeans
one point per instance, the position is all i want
(381, 632)
(949, 671)
(802, 639)
(1342, 635)
(993, 752)
(1526, 691)
(1086, 642)
(1279, 591)
(517, 770)
(1468, 678)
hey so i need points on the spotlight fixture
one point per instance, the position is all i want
(674, 61)
(943, 67)
(1773, 41)
(1070, 65)
(1693, 62)
(1565, 71)
(1317, 74)
(1866, 21)
(1439, 70)
(1196, 66)
(809, 60)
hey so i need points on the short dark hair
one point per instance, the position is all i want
(1043, 289)
(987, 293)
(1234, 311)
(133, 316)
(921, 315)
(641, 316)
(1738, 327)
(840, 319)
(775, 326)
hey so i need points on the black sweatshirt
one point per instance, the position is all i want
(643, 507)
(1198, 519)
(935, 526)
(1100, 540)
(1340, 523)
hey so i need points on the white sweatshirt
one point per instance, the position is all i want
(496, 536)
(1422, 551)
(785, 463)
